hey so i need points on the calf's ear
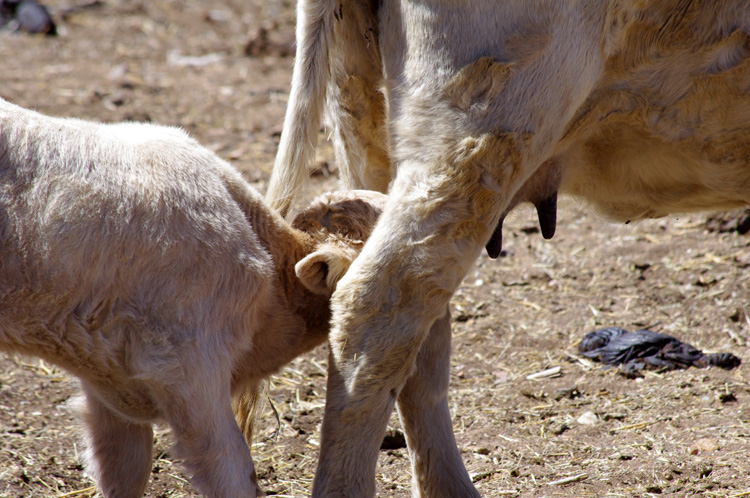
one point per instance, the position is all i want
(321, 270)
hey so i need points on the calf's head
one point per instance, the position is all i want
(340, 222)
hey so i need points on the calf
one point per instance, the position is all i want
(144, 265)
(468, 108)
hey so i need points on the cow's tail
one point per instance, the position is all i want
(299, 136)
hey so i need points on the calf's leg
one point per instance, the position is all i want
(213, 448)
(118, 452)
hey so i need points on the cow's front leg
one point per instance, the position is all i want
(437, 468)
(438, 218)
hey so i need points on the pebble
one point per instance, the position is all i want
(588, 418)
(704, 445)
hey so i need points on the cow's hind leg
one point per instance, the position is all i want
(355, 105)
(118, 452)
(437, 468)
(438, 218)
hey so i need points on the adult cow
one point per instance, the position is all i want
(642, 108)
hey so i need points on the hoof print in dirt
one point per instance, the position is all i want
(647, 350)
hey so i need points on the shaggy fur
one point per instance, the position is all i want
(144, 265)
(641, 108)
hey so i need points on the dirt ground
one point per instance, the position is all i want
(586, 432)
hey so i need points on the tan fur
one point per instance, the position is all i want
(477, 84)
(359, 133)
(641, 108)
(147, 267)
(355, 106)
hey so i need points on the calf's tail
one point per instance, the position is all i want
(246, 407)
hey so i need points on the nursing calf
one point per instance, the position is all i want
(462, 110)
(144, 265)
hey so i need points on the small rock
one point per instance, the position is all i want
(118, 72)
(743, 259)
(588, 418)
(704, 445)
(216, 15)
(501, 377)
(29, 16)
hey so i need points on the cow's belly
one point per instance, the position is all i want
(671, 135)
(631, 173)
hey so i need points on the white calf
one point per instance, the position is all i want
(144, 265)
(471, 107)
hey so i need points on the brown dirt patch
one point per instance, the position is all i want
(680, 433)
